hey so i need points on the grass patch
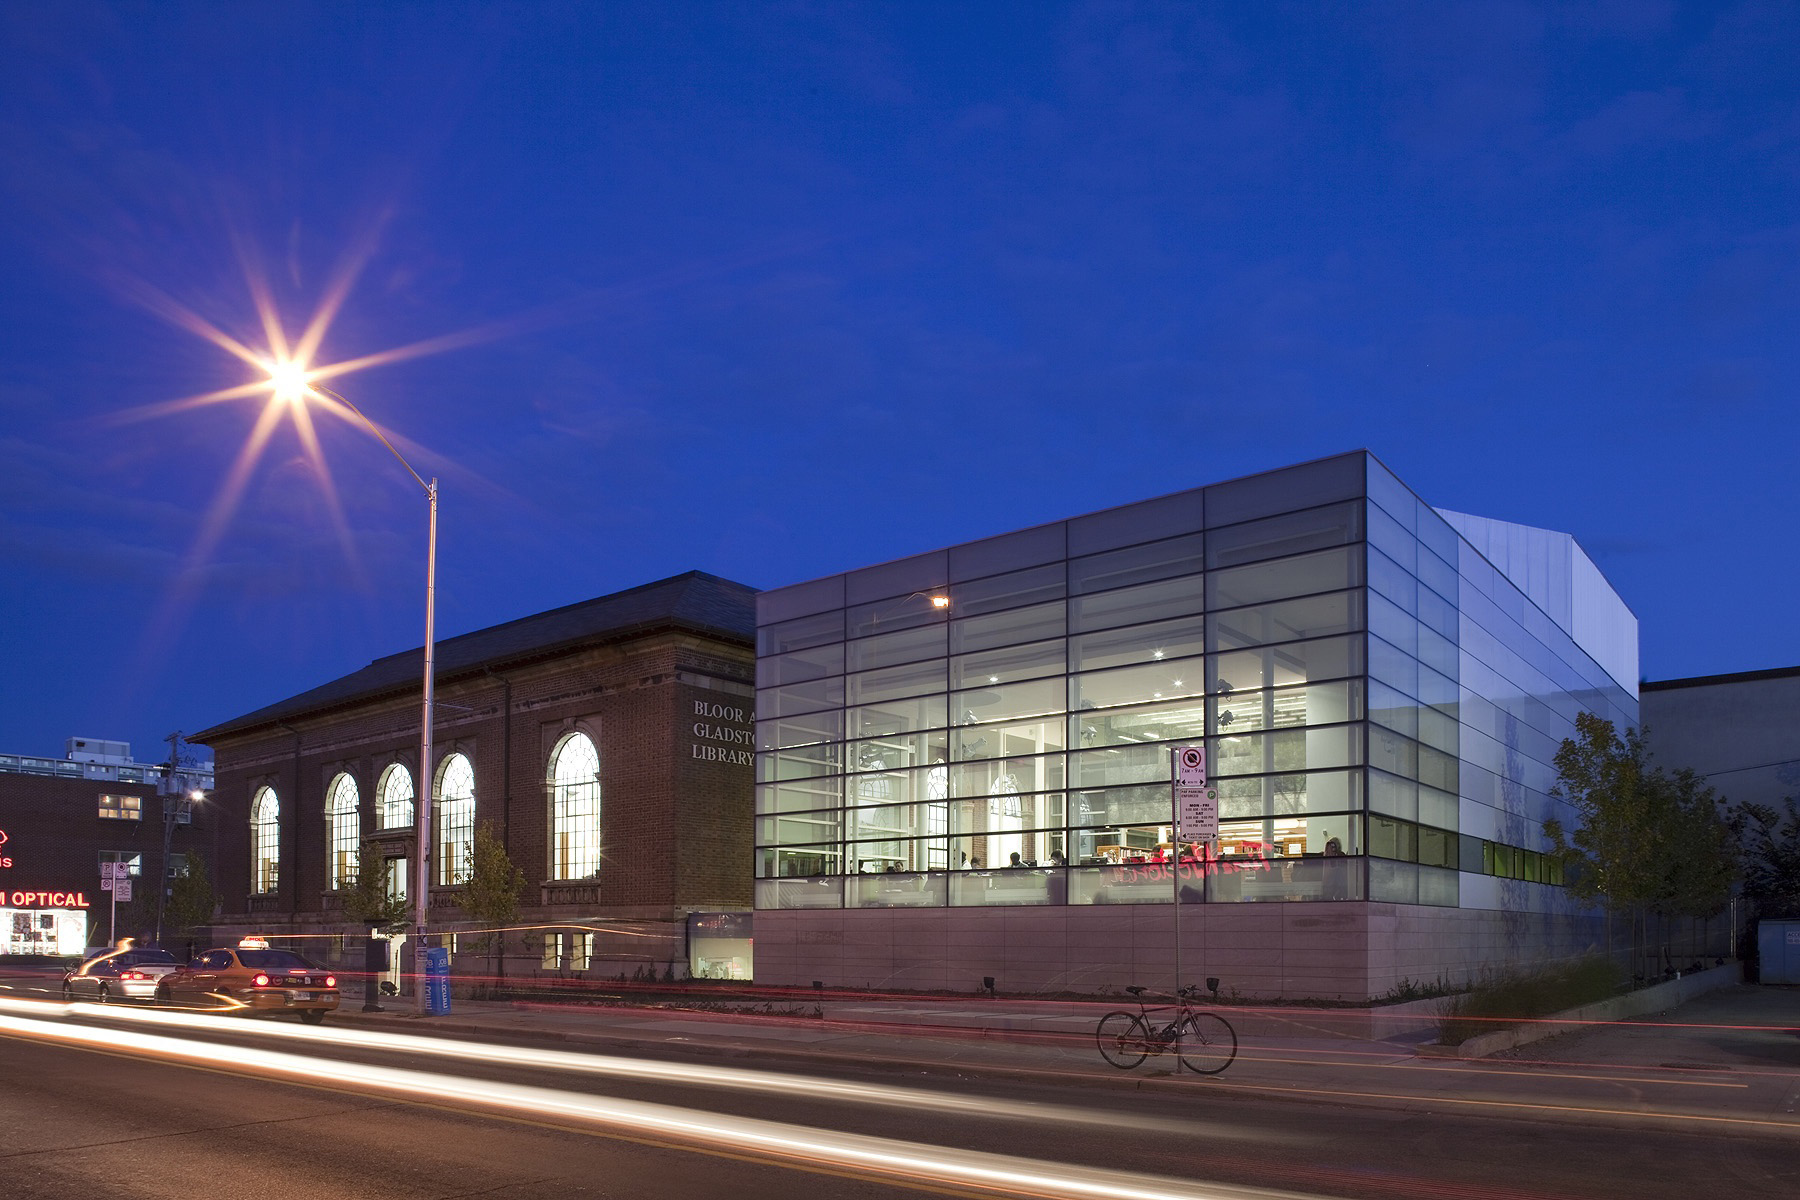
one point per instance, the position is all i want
(1506, 999)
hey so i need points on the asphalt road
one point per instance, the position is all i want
(684, 1121)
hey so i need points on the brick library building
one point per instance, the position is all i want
(605, 745)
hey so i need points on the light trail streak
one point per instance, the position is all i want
(649, 1070)
(901, 1097)
(909, 1163)
(1509, 1069)
(1526, 1106)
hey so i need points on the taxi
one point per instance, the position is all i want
(254, 980)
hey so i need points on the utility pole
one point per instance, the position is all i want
(177, 801)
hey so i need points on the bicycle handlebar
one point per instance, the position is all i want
(1191, 991)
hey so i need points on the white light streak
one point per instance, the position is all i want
(649, 1070)
(887, 1157)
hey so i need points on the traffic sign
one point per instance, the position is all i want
(1196, 804)
(122, 890)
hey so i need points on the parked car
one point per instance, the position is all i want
(107, 975)
(252, 979)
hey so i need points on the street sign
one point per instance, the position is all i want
(122, 890)
(115, 870)
(106, 882)
(1196, 804)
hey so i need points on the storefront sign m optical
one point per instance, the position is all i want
(47, 899)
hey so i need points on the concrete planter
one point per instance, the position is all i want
(1658, 998)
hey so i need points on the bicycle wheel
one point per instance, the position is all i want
(1207, 1043)
(1124, 1039)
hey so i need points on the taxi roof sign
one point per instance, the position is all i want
(254, 943)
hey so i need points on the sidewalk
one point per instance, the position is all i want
(1300, 1053)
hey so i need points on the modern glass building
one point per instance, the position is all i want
(964, 757)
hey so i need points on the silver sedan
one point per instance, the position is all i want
(118, 975)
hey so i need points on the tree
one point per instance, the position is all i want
(367, 900)
(191, 898)
(1770, 839)
(1649, 843)
(490, 895)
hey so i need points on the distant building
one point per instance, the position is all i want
(964, 757)
(1740, 732)
(607, 744)
(64, 820)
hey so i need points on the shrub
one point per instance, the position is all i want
(1408, 990)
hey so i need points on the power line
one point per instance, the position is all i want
(1758, 767)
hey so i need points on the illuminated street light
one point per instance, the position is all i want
(289, 381)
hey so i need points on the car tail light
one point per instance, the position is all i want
(132, 975)
(260, 981)
(331, 981)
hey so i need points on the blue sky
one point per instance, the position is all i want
(777, 290)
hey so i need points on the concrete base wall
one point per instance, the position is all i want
(622, 946)
(1349, 951)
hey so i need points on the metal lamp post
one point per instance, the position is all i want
(421, 794)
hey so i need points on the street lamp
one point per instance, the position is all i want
(291, 382)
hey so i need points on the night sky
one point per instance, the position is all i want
(773, 291)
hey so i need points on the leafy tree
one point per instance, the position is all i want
(366, 898)
(1770, 838)
(191, 898)
(1649, 843)
(490, 895)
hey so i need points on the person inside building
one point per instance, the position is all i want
(1336, 876)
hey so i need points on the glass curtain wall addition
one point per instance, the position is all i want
(575, 808)
(343, 834)
(1013, 747)
(456, 819)
(265, 841)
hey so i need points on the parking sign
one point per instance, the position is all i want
(1196, 804)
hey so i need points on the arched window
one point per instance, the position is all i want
(265, 841)
(456, 819)
(343, 833)
(396, 789)
(574, 808)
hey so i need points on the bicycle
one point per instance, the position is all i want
(1203, 1042)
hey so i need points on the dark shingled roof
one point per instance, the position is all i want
(696, 601)
(1662, 685)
